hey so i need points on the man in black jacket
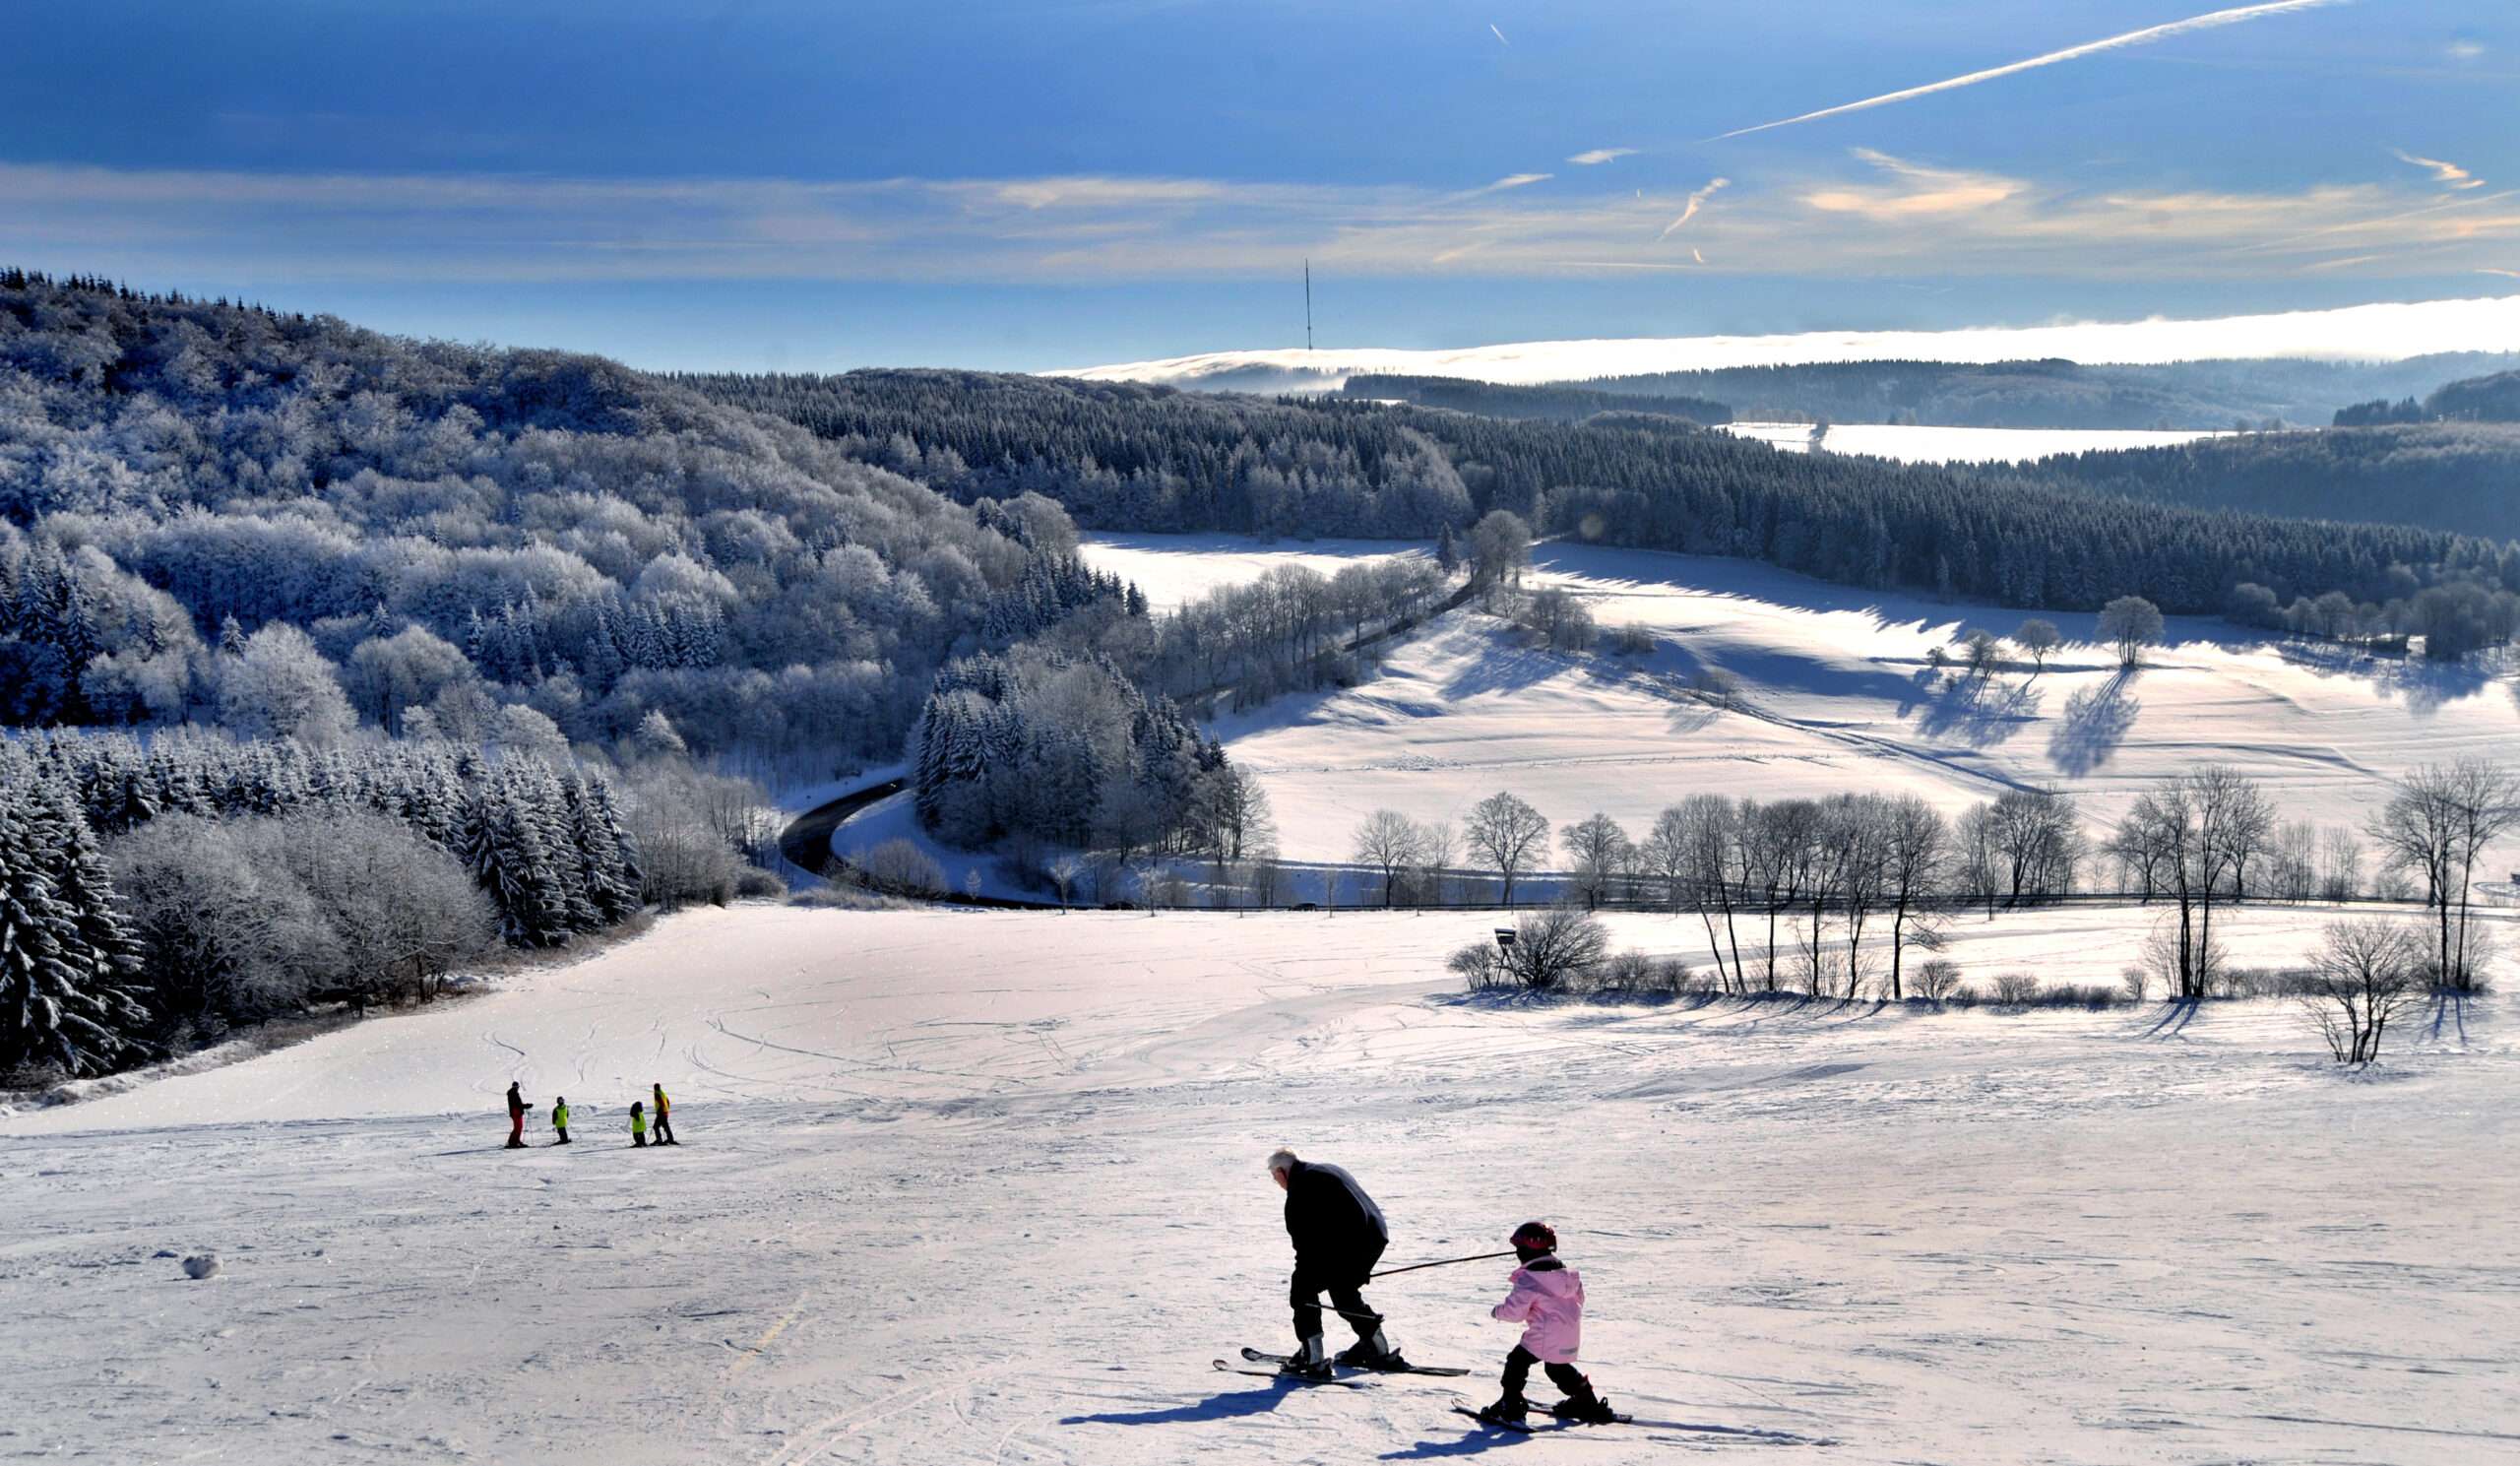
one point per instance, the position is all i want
(1339, 1236)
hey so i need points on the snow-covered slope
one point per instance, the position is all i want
(987, 1189)
(1834, 695)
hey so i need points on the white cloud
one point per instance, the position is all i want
(2144, 36)
(2448, 174)
(2466, 50)
(1592, 156)
(1918, 190)
(1506, 184)
(1873, 213)
(1696, 202)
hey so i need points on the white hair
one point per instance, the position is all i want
(1282, 1159)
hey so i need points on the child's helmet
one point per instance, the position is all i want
(1535, 1236)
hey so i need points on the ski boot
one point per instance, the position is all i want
(1310, 1360)
(1508, 1410)
(1374, 1352)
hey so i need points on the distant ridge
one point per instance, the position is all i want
(2387, 332)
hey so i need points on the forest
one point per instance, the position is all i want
(2252, 394)
(2456, 476)
(1121, 456)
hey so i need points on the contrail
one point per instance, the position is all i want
(1697, 200)
(2145, 36)
(1500, 35)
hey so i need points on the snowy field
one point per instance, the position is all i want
(1958, 444)
(1175, 568)
(963, 1187)
(1834, 695)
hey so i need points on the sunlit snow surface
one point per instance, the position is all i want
(963, 1187)
(1835, 694)
(1957, 444)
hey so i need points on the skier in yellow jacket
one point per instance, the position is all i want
(664, 1117)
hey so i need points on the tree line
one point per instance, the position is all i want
(1788, 891)
(151, 895)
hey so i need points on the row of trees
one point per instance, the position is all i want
(1828, 872)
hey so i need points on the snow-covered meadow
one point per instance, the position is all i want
(986, 1187)
(1834, 693)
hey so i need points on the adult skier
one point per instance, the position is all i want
(1547, 1300)
(665, 1117)
(560, 1120)
(515, 1117)
(1339, 1235)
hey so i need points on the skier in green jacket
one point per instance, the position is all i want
(560, 1120)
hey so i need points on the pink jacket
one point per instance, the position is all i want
(1548, 1302)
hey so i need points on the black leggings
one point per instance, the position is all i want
(1347, 1294)
(1567, 1378)
(665, 1131)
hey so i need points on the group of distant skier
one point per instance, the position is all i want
(518, 1105)
(1340, 1234)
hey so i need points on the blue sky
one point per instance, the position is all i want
(813, 186)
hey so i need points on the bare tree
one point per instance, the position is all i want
(2133, 623)
(2366, 973)
(1063, 871)
(2340, 865)
(1778, 852)
(1860, 829)
(2038, 840)
(2419, 832)
(2197, 830)
(1438, 847)
(2040, 638)
(1389, 842)
(1509, 834)
(1601, 850)
(1980, 651)
(1663, 853)
(2484, 804)
(1916, 870)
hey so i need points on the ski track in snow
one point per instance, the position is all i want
(964, 1188)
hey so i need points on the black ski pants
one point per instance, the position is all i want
(664, 1129)
(1567, 1378)
(1346, 1287)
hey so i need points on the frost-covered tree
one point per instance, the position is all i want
(66, 954)
(280, 686)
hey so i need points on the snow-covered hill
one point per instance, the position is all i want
(987, 1189)
(1835, 694)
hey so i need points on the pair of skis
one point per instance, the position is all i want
(1262, 1357)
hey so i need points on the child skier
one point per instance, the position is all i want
(1548, 1302)
(639, 1125)
(560, 1120)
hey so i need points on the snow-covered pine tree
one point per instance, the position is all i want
(607, 867)
(53, 1009)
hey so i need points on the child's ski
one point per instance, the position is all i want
(1263, 1357)
(1517, 1427)
(1555, 1421)
(1293, 1378)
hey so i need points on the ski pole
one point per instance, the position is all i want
(1447, 1262)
